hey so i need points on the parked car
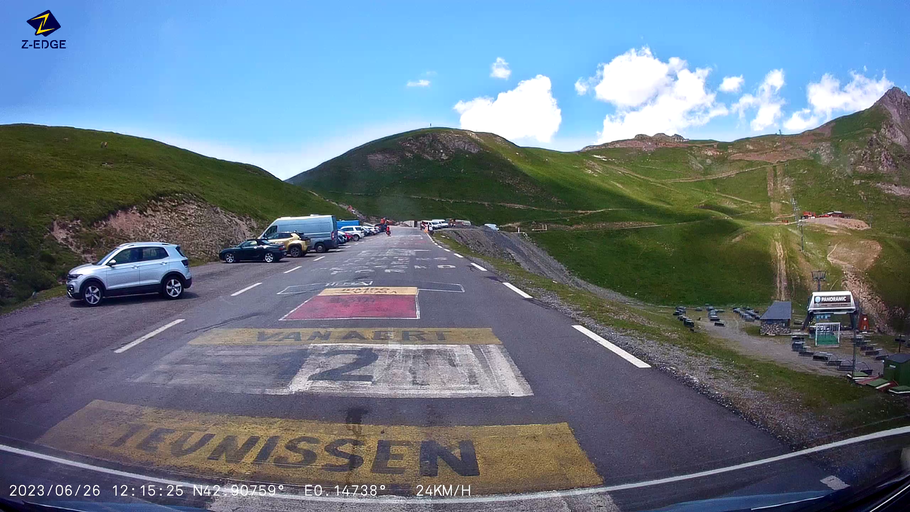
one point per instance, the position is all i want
(294, 244)
(258, 249)
(340, 238)
(321, 229)
(355, 231)
(130, 269)
(494, 227)
(439, 223)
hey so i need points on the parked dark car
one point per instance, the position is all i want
(257, 249)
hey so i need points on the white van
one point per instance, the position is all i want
(439, 223)
(321, 229)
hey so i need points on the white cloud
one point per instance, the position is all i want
(529, 111)
(732, 83)
(827, 98)
(419, 83)
(650, 95)
(802, 120)
(581, 87)
(631, 79)
(767, 102)
(500, 69)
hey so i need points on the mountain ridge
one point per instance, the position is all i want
(650, 195)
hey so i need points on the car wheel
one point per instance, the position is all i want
(268, 258)
(320, 248)
(356, 238)
(172, 287)
(92, 293)
(294, 252)
(229, 257)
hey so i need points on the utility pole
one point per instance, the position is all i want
(802, 236)
(818, 276)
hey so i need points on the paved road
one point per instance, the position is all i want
(393, 362)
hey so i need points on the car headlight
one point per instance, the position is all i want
(71, 277)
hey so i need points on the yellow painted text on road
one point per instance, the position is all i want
(491, 459)
(376, 335)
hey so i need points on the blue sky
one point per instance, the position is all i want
(289, 85)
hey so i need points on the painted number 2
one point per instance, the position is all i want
(364, 357)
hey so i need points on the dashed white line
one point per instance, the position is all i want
(457, 255)
(250, 287)
(319, 258)
(147, 336)
(293, 269)
(479, 267)
(611, 347)
(516, 290)
(446, 250)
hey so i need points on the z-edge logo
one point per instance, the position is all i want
(44, 24)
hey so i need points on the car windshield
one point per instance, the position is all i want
(672, 270)
(105, 257)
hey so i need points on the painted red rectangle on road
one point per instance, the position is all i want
(356, 306)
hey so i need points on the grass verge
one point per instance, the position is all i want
(840, 408)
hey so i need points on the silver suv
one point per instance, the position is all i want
(142, 267)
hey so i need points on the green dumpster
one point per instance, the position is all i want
(897, 368)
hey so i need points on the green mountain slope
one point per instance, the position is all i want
(668, 219)
(63, 176)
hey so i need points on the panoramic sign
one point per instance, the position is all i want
(832, 302)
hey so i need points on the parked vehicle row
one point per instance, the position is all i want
(150, 267)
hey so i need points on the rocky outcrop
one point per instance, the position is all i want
(439, 145)
(644, 142)
(198, 227)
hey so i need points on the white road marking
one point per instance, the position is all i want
(899, 431)
(518, 291)
(445, 266)
(611, 347)
(147, 336)
(446, 250)
(250, 287)
(319, 258)
(479, 267)
(401, 370)
(457, 255)
(834, 483)
(293, 269)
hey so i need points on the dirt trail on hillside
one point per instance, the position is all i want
(783, 288)
(509, 205)
(714, 176)
(854, 258)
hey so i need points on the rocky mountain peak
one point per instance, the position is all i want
(897, 104)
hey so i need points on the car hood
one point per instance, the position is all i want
(84, 269)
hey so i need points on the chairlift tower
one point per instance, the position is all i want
(818, 276)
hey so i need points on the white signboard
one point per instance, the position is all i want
(832, 302)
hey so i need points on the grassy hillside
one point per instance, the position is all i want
(64, 174)
(674, 221)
